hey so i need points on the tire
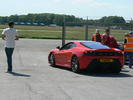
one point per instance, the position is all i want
(117, 70)
(52, 59)
(75, 64)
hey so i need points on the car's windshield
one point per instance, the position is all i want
(94, 45)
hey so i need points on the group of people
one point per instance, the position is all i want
(105, 38)
(110, 41)
(10, 35)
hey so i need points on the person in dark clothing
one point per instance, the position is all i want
(97, 36)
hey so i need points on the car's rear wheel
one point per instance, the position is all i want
(52, 59)
(75, 64)
(116, 70)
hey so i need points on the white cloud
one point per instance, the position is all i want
(57, 1)
(96, 4)
(79, 1)
(92, 3)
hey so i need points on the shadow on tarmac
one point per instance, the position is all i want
(123, 73)
(111, 75)
(19, 74)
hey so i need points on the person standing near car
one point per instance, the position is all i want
(9, 35)
(109, 40)
(97, 36)
(128, 47)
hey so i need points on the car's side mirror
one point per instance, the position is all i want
(58, 47)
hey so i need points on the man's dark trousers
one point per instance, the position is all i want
(9, 52)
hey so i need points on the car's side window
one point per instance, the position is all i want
(68, 46)
(65, 47)
(72, 45)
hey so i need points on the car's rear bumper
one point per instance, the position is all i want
(87, 61)
(96, 65)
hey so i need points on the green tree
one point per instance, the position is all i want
(112, 20)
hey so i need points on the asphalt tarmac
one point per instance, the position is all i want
(34, 79)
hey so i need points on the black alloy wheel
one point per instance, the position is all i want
(75, 64)
(52, 59)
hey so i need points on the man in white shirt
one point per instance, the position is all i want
(9, 35)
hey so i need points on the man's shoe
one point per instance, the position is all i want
(9, 71)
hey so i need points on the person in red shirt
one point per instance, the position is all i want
(97, 36)
(109, 40)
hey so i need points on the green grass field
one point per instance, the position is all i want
(72, 33)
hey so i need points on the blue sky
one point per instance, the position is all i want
(80, 8)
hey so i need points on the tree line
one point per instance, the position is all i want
(45, 19)
(58, 19)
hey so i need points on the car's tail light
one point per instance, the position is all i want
(119, 54)
(93, 53)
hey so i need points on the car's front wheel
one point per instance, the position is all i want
(75, 64)
(52, 59)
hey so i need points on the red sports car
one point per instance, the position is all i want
(89, 55)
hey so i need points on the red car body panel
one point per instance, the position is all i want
(63, 57)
